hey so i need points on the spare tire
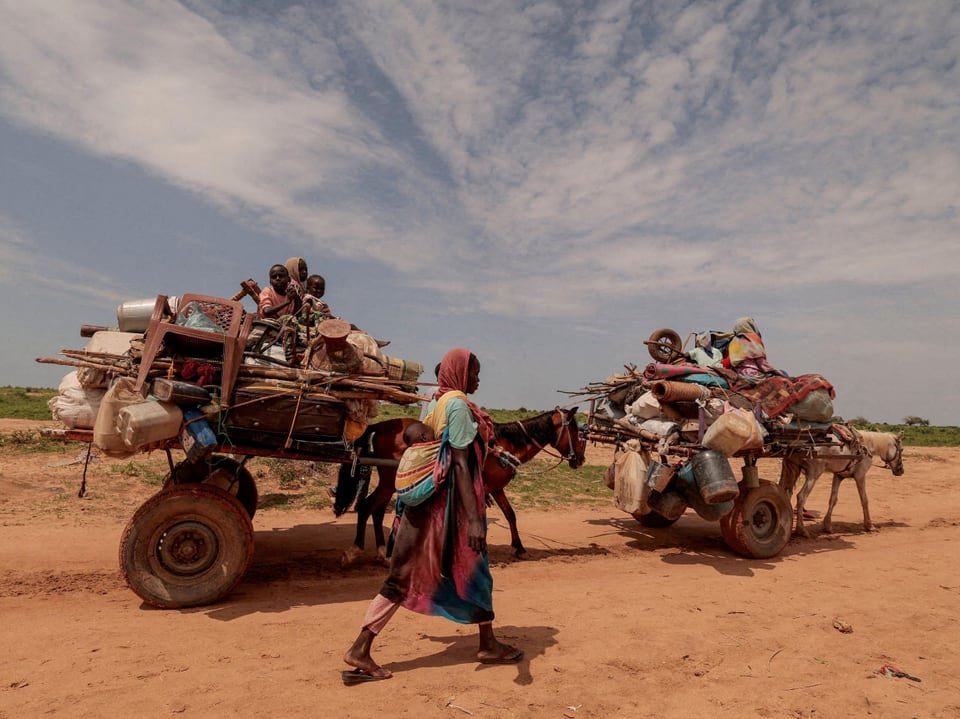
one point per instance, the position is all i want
(664, 345)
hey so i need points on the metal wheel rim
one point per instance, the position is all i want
(763, 520)
(187, 548)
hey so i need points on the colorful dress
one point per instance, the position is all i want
(433, 569)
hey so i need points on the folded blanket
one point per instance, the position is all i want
(775, 394)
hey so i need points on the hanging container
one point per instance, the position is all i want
(148, 422)
(686, 485)
(659, 475)
(106, 435)
(669, 504)
(714, 478)
(196, 437)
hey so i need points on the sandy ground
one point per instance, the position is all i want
(616, 620)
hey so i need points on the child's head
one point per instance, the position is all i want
(279, 278)
(316, 285)
(416, 433)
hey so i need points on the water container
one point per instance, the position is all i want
(669, 504)
(686, 485)
(659, 475)
(148, 422)
(714, 478)
(134, 316)
(106, 436)
(730, 432)
(196, 437)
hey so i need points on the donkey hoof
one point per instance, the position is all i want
(349, 556)
(382, 556)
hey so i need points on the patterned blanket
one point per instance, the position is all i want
(775, 394)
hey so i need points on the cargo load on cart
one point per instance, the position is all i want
(677, 422)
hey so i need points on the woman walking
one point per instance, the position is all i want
(439, 564)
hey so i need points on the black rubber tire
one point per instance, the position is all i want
(219, 471)
(664, 345)
(653, 519)
(759, 524)
(186, 546)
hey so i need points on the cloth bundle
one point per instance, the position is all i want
(415, 473)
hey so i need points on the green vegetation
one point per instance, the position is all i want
(29, 441)
(25, 402)
(390, 411)
(543, 484)
(144, 472)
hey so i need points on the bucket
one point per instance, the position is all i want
(713, 476)
(148, 422)
(659, 475)
(686, 485)
(134, 315)
(668, 504)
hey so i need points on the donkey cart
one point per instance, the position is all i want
(677, 424)
(195, 378)
(755, 515)
(191, 543)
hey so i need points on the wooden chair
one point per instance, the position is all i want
(164, 334)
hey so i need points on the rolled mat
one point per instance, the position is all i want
(667, 391)
(657, 370)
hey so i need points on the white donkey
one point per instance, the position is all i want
(851, 457)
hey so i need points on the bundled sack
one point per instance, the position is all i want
(419, 464)
(630, 488)
(105, 342)
(76, 406)
(646, 406)
(815, 407)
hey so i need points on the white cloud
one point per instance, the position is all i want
(635, 151)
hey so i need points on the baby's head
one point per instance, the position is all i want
(316, 285)
(416, 433)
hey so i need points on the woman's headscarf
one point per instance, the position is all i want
(293, 267)
(746, 326)
(453, 376)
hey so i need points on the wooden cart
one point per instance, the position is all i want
(191, 542)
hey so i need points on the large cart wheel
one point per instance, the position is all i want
(186, 546)
(664, 345)
(653, 519)
(758, 526)
(219, 471)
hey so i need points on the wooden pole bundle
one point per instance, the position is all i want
(342, 386)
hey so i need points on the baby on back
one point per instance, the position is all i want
(417, 433)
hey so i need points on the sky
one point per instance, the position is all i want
(544, 183)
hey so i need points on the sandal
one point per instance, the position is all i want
(360, 676)
(509, 655)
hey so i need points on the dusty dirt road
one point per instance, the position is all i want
(616, 620)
